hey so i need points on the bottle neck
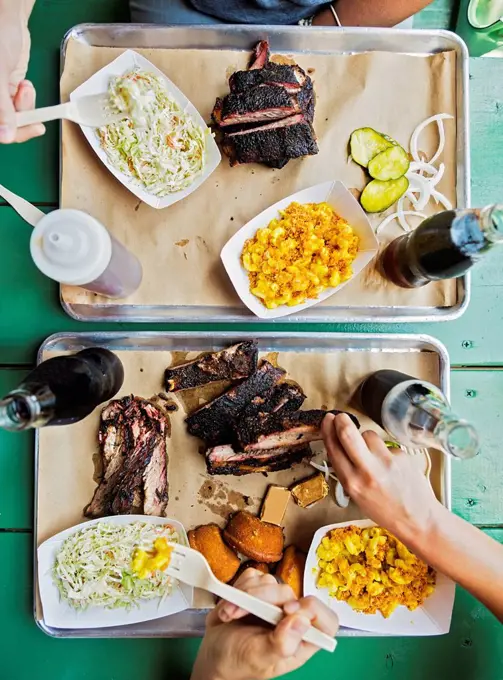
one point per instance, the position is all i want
(417, 414)
(22, 409)
(491, 223)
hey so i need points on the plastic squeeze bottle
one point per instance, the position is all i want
(63, 390)
(72, 247)
(416, 413)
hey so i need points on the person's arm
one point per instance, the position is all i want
(16, 93)
(384, 13)
(392, 491)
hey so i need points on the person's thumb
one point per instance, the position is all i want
(287, 636)
(7, 112)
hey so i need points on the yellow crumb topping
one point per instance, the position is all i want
(308, 249)
(372, 570)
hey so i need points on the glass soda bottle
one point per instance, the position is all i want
(416, 414)
(63, 390)
(444, 246)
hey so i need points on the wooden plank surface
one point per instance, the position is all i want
(16, 467)
(472, 651)
(476, 483)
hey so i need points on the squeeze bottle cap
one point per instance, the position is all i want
(71, 247)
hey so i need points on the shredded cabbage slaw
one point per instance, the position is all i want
(93, 566)
(158, 144)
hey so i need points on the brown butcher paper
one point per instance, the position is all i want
(179, 247)
(66, 463)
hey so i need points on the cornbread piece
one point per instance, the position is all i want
(290, 429)
(291, 569)
(233, 363)
(309, 491)
(253, 538)
(275, 503)
(207, 540)
(250, 564)
(223, 460)
(213, 422)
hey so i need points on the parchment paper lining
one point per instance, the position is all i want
(330, 379)
(179, 247)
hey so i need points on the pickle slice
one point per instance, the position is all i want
(392, 163)
(365, 143)
(379, 196)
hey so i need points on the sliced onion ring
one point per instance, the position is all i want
(394, 216)
(341, 498)
(438, 118)
(440, 198)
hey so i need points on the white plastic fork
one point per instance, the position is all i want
(191, 567)
(92, 111)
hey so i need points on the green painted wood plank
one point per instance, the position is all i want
(473, 649)
(440, 14)
(476, 483)
(16, 467)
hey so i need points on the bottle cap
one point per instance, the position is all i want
(71, 247)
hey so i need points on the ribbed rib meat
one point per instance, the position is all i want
(289, 138)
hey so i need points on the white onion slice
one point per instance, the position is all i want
(423, 185)
(439, 117)
(394, 216)
(421, 165)
(435, 180)
(440, 198)
(341, 498)
(326, 469)
(412, 198)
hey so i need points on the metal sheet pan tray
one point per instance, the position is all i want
(191, 622)
(292, 39)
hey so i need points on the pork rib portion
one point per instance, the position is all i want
(271, 431)
(233, 363)
(132, 439)
(292, 78)
(258, 104)
(223, 460)
(213, 422)
(280, 399)
(288, 138)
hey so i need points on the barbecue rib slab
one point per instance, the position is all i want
(292, 78)
(223, 460)
(213, 422)
(132, 439)
(280, 399)
(270, 431)
(288, 138)
(258, 104)
(233, 363)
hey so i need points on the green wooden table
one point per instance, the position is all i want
(30, 311)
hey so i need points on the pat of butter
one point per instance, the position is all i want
(275, 504)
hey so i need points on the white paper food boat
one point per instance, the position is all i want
(58, 614)
(98, 84)
(432, 618)
(344, 204)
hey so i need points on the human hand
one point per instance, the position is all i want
(16, 93)
(237, 646)
(388, 486)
